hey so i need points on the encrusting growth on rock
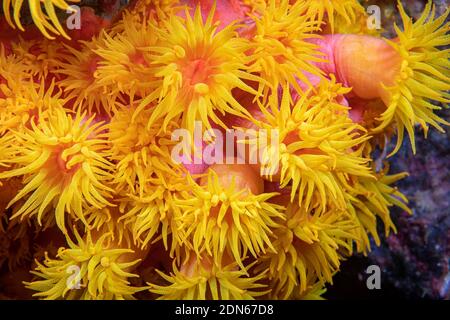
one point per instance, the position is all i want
(206, 149)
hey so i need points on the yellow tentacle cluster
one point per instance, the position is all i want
(206, 149)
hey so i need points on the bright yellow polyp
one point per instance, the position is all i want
(359, 24)
(62, 160)
(161, 9)
(125, 66)
(100, 193)
(314, 292)
(5, 152)
(24, 102)
(12, 71)
(196, 67)
(45, 22)
(319, 145)
(310, 247)
(370, 200)
(280, 53)
(210, 281)
(107, 221)
(41, 57)
(139, 152)
(79, 73)
(255, 6)
(424, 76)
(88, 270)
(219, 219)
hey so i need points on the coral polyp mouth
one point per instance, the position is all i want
(139, 59)
(197, 71)
(207, 149)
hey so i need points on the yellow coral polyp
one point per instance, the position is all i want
(107, 220)
(78, 71)
(200, 279)
(12, 72)
(155, 212)
(5, 141)
(328, 11)
(58, 157)
(319, 145)
(370, 200)
(139, 152)
(310, 247)
(95, 267)
(359, 25)
(91, 187)
(27, 102)
(40, 57)
(159, 9)
(280, 53)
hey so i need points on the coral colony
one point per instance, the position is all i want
(205, 149)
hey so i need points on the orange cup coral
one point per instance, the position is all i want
(273, 111)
